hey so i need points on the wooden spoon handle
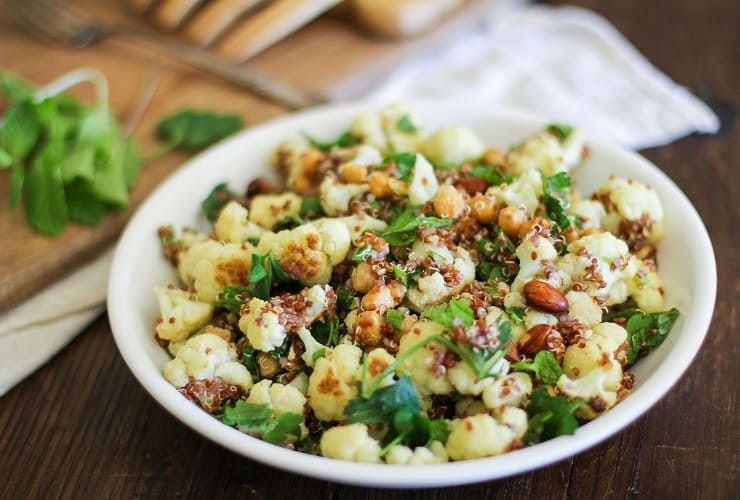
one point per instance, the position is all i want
(170, 14)
(214, 18)
(273, 23)
(140, 6)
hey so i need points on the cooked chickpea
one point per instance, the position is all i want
(527, 226)
(368, 328)
(378, 182)
(494, 157)
(267, 364)
(310, 162)
(571, 234)
(511, 219)
(483, 208)
(302, 185)
(448, 202)
(362, 277)
(353, 173)
(398, 187)
(591, 230)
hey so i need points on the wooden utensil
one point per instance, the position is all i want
(216, 17)
(170, 14)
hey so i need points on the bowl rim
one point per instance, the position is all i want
(398, 476)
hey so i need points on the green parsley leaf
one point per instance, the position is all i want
(318, 354)
(405, 277)
(646, 331)
(79, 163)
(15, 89)
(485, 360)
(249, 359)
(216, 200)
(404, 124)
(450, 313)
(402, 230)
(278, 429)
(196, 130)
(405, 163)
(232, 298)
(486, 271)
(311, 208)
(380, 407)
(491, 175)
(327, 331)
(45, 201)
(544, 366)
(560, 130)
(345, 299)
(345, 140)
(516, 314)
(265, 270)
(259, 419)
(555, 198)
(395, 318)
(550, 416)
(20, 131)
(83, 206)
(17, 177)
(362, 253)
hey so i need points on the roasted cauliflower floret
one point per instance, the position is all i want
(420, 365)
(633, 210)
(436, 288)
(388, 129)
(607, 343)
(266, 210)
(465, 381)
(205, 357)
(524, 191)
(333, 382)
(210, 266)
(335, 195)
(453, 145)
(479, 436)
(298, 162)
(589, 213)
(281, 398)
(646, 287)
(508, 390)
(350, 442)
(547, 153)
(583, 308)
(181, 314)
(535, 253)
(599, 388)
(435, 453)
(233, 225)
(424, 183)
(359, 224)
(307, 252)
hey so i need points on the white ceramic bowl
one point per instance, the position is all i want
(686, 264)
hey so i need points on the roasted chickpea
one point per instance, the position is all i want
(448, 202)
(483, 208)
(590, 231)
(378, 182)
(362, 277)
(310, 162)
(571, 234)
(529, 224)
(494, 157)
(353, 173)
(511, 219)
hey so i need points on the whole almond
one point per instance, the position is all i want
(535, 340)
(545, 297)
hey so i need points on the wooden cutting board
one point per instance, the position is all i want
(329, 57)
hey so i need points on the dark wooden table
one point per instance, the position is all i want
(82, 427)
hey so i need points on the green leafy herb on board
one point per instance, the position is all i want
(195, 130)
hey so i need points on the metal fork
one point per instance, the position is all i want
(62, 24)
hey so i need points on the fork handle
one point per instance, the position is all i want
(262, 85)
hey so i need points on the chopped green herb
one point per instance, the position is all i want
(404, 124)
(318, 354)
(232, 298)
(544, 366)
(249, 359)
(555, 199)
(550, 416)
(486, 271)
(516, 314)
(196, 130)
(311, 208)
(646, 331)
(395, 318)
(345, 299)
(560, 130)
(345, 140)
(451, 313)
(491, 175)
(216, 201)
(402, 230)
(405, 163)
(405, 277)
(327, 331)
(265, 270)
(258, 419)
(362, 254)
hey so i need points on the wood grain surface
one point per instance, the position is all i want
(82, 427)
(329, 57)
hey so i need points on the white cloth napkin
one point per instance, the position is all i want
(566, 63)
